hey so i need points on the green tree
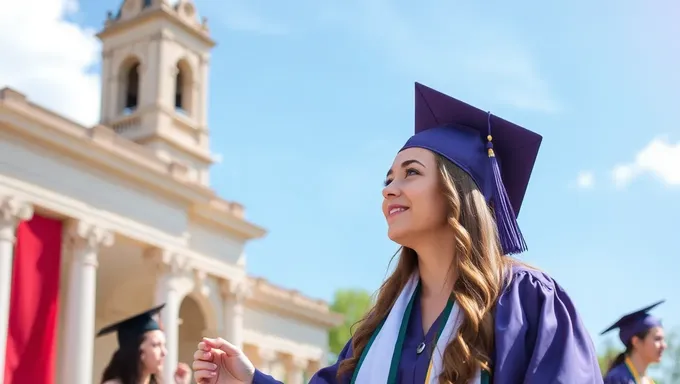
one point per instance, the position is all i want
(609, 354)
(353, 305)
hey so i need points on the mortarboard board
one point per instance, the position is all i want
(497, 154)
(131, 329)
(634, 323)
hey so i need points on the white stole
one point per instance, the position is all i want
(375, 367)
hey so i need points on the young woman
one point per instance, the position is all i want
(642, 334)
(141, 351)
(456, 309)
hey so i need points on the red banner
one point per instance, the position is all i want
(34, 306)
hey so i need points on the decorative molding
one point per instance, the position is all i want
(267, 354)
(175, 272)
(84, 233)
(222, 214)
(241, 290)
(296, 362)
(166, 12)
(168, 261)
(284, 346)
(102, 133)
(12, 211)
(121, 156)
(238, 290)
(292, 303)
(76, 209)
(86, 239)
(10, 94)
(201, 283)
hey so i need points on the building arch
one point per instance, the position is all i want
(197, 317)
(184, 85)
(129, 80)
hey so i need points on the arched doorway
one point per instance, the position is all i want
(196, 316)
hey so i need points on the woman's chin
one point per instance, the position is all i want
(158, 369)
(398, 235)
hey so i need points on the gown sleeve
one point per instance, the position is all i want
(539, 336)
(323, 376)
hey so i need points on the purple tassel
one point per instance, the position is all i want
(510, 236)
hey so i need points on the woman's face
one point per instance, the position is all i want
(413, 202)
(652, 346)
(153, 352)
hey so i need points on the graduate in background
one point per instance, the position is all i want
(643, 336)
(141, 351)
(456, 309)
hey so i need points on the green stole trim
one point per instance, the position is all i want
(396, 356)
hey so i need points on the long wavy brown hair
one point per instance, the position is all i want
(481, 274)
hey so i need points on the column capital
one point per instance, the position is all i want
(175, 271)
(88, 234)
(12, 211)
(266, 354)
(239, 290)
(201, 282)
(168, 261)
(296, 362)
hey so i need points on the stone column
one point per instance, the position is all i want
(267, 358)
(313, 367)
(295, 369)
(84, 240)
(234, 295)
(12, 211)
(175, 280)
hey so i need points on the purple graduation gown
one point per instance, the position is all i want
(539, 339)
(619, 375)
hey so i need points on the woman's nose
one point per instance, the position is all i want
(391, 190)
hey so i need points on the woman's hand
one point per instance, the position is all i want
(182, 374)
(216, 361)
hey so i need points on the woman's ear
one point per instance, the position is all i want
(635, 342)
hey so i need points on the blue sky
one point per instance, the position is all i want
(310, 102)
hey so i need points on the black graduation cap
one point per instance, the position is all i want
(132, 328)
(635, 322)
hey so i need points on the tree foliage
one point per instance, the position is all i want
(609, 354)
(353, 305)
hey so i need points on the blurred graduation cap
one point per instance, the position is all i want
(131, 329)
(635, 322)
(497, 154)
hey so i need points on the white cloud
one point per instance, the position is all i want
(585, 180)
(660, 158)
(50, 59)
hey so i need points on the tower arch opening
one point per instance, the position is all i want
(130, 85)
(183, 87)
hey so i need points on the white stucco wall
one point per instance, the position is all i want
(40, 166)
(208, 240)
(285, 334)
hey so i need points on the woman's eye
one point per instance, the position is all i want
(387, 182)
(412, 171)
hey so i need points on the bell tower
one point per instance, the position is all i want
(155, 63)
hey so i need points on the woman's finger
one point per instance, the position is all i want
(203, 366)
(204, 374)
(219, 343)
(203, 355)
